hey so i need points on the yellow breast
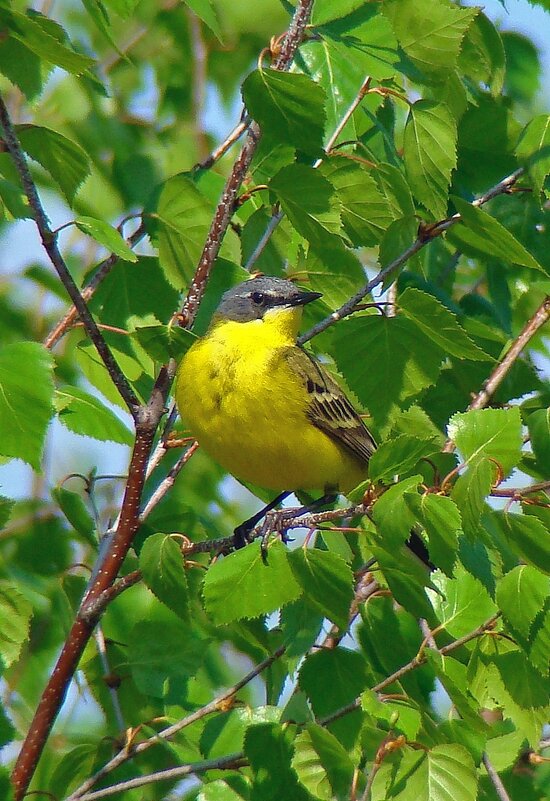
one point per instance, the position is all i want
(248, 410)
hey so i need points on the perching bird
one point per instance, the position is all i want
(266, 410)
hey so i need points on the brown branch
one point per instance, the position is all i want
(422, 239)
(496, 781)
(101, 272)
(226, 205)
(49, 241)
(219, 703)
(221, 149)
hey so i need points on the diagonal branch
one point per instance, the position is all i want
(49, 241)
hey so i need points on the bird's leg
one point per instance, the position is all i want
(241, 533)
(276, 521)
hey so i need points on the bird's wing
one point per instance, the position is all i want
(329, 409)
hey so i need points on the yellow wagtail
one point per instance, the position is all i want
(260, 405)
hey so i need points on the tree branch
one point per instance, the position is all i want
(49, 241)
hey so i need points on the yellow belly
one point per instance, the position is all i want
(248, 411)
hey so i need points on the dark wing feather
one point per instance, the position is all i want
(329, 408)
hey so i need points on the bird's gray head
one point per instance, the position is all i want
(253, 298)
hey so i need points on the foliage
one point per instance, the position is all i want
(366, 679)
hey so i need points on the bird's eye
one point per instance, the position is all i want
(258, 297)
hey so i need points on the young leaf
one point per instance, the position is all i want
(441, 519)
(107, 236)
(538, 424)
(488, 434)
(15, 612)
(326, 580)
(398, 455)
(26, 391)
(310, 202)
(430, 153)
(534, 147)
(66, 161)
(438, 322)
(289, 107)
(72, 506)
(321, 763)
(327, 10)
(268, 747)
(83, 414)
(529, 537)
(430, 31)
(164, 342)
(480, 233)
(205, 11)
(242, 586)
(161, 562)
(464, 604)
(521, 594)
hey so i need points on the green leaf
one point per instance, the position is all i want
(7, 791)
(289, 107)
(72, 506)
(205, 11)
(163, 654)
(100, 18)
(488, 434)
(31, 33)
(327, 10)
(441, 519)
(107, 236)
(164, 342)
(83, 414)
(406, 577)
(398, 455)
(66, 161)
(161, 563)
(469, 494)
(6, 507)
(529, 537)
(444, 773)
(539, 433)
(218, 790)
(300, 624)
(366, 212)
(391, 513)
(268, 747)
(429, 146)
(464, 604)
(453, 676)
(430, 31)
(405, 361)
(242, 586)
(15, 612)
(480, 233)
(178, 223)
(524, 684)
(321, 763)
(14, 201)
(326, 580)
(436, 321)
(482, 54)
(21, 66)
(521, 595)
(26, 391)
(310, 202)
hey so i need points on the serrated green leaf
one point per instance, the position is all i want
(84, 414)
(21, 66)
(310, 202)
(396, 190)
(268, 747)
(404, 361)
(73, 768)
(406, 577)
(430, 31)
(429, 146)
(6, 506)
(453, 676)
(242, 586)
(300, 624)
(225, 733)
(66, 161)
(326, 580)
(164, 342)
(488, 434)
(366, 212)
(321, 763)
(205, 11)
(218, 790)
(107, 236)
(529, 537)
(14, 200)
(31, 33)
(440, 517)
(163, 654)
(521, 595)
(72, 506)
(524, 684)
(480, 233)
(398, 455)
(534, 148)
(470, 493)
(539, 433)
(15, 612)
(482, 54)
(289, 107)
(464, 603)
(327, 10)
(178, 222)
(436, 321)
(26, 391)
(161, 563)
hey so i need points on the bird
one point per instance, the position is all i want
(261, 405)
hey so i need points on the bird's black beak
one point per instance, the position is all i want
(301, 298)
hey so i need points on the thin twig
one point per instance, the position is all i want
(170, 731)
(496, 781)
(102, 651)
(168, 482)
(49, 241)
